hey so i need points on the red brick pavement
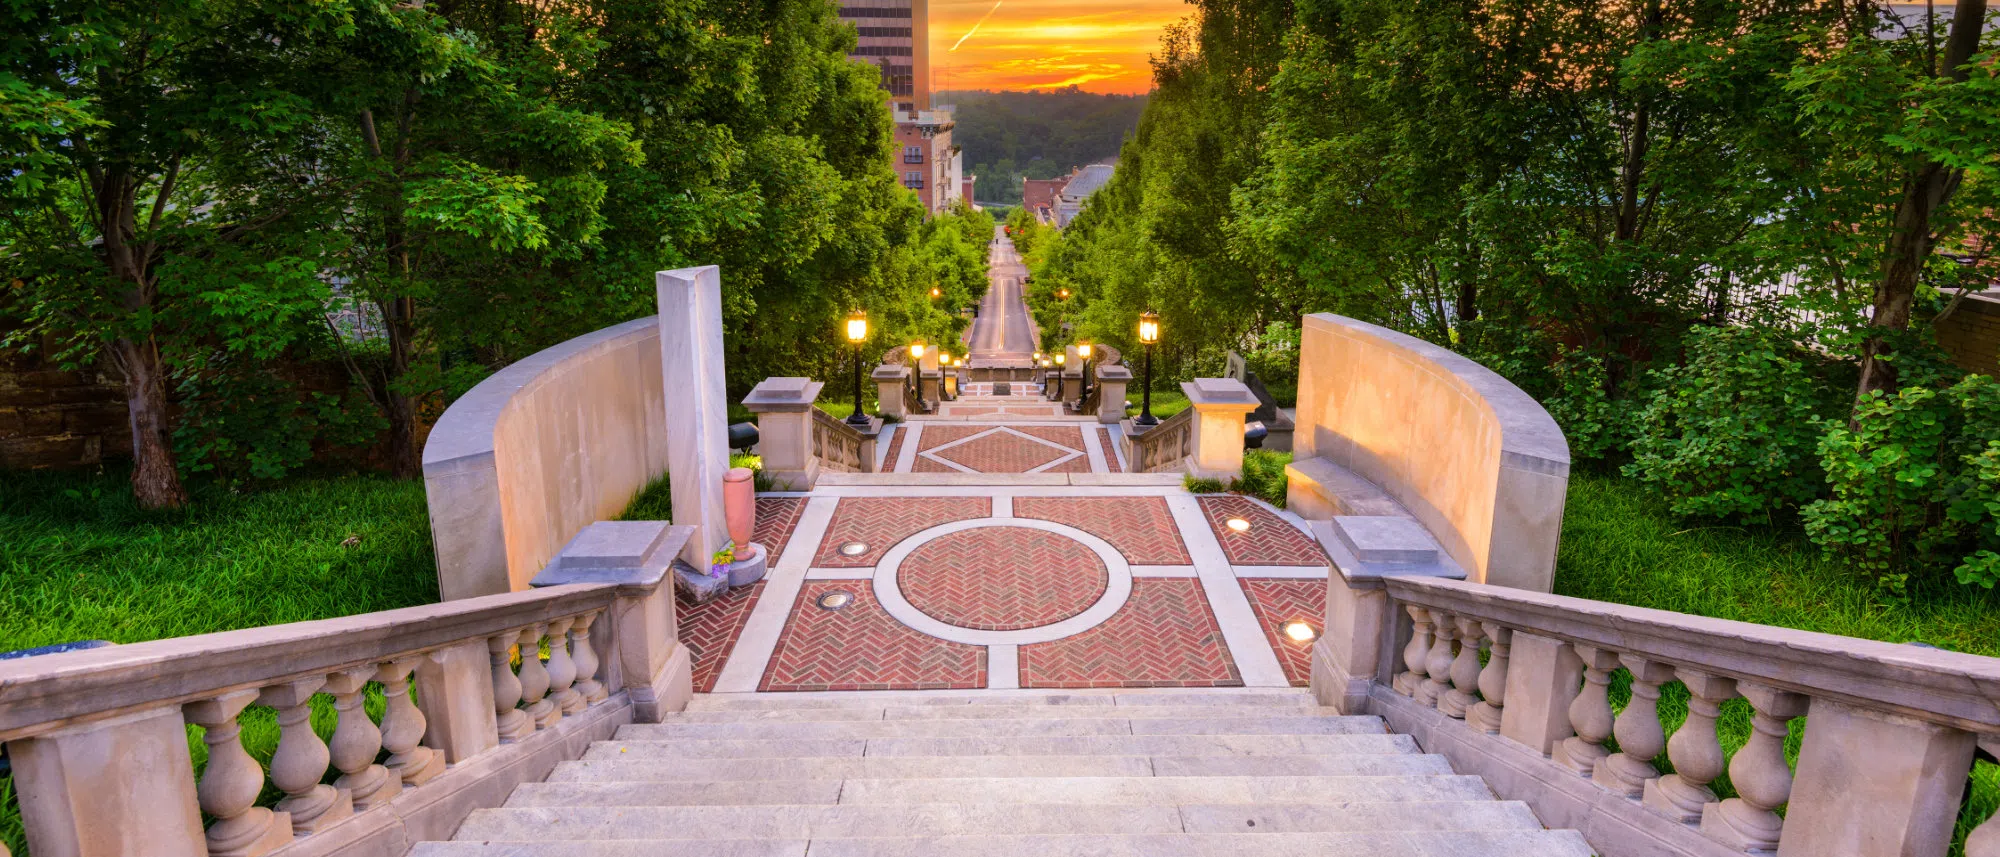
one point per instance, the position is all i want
(1002, 578)
(881, 522)
(777, 517)
(939, 434)
(1165, 636)
(710, 630)
(1140, 528)
(1111, 453)
(999, 452)
(1271, 540)
(1281, 600)
(862, 647)
(901, 433)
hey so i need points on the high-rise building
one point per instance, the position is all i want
(895, 37)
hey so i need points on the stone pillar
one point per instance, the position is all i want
(1872, 784)
(1543, 676)
(1219, 404)
(455, 692)
(110, 788)
(1111, 406)
(932, 380)
(697, 403)
(1346, 657)
(889, 382)
(784, 433)
(655, 668)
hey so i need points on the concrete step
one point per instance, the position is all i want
(1019, 745)
(988, 712)
(1127, 791)
(816, 822)
(1247, 725)
(1456, 844)
(1259, 697)
(668, 770)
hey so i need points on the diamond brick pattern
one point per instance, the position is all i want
(1278, 601)
(1140, 528)
(710, 630)
(999, 452)
(861, 647)
(777, 517)
(1164, 636)
(939, 434)
(881, 522)
(1271, 540)
(1002, 578)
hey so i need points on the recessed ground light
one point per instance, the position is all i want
(835, 600)
(854, 549)
(1299, 631)
(1237, 524)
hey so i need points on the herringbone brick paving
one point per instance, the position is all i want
(999, 452)
(1164, 636)
(1140, 528)
(710, 630)
(939, 434)
(881, 522)
(901, 433)
(1111, 453)
(777, 517)
(1271, 540)
(861, 647)
(1002, 578)
(1281, 600)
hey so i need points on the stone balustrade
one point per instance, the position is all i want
(798, 440)
(99, 738)
(1515, 686)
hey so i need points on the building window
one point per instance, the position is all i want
(913, 154)
(884, 32)
(874, 12)
(882, 51)
(913, 180)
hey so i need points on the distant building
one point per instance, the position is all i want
(895, 37)
(926, 160)
(1060, 199)
(965, 190)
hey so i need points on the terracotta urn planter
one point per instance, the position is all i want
(739, 506)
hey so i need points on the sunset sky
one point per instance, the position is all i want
(1099, 45)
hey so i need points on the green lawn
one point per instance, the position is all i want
(1619, 544)
(79, 561)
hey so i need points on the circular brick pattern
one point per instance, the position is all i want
(1002, 578)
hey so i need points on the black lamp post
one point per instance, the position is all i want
(917, 370)
(1059, 373)
(1149, 335)
(857, 333)
(1083, 378)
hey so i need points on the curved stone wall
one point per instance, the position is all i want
(1471, 456)
(544, 448)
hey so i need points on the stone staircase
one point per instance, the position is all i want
(1010, 774)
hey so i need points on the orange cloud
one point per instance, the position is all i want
(1098, 45)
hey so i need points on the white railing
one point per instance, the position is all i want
(1165, 446)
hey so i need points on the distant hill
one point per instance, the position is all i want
(1011, 135)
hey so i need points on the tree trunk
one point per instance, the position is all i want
(405, 457)
(156, 482)
(1926, 187)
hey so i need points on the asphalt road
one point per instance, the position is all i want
(1004, 334)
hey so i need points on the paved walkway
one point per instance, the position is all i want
(1003, 334)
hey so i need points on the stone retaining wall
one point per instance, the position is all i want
(1473, 458)
(51, 418)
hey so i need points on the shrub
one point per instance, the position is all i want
(241, 423)
(1574, 385)
(1915, 477)
(1264, 475)
(1731, 432)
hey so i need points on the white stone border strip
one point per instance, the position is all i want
(932, 453)
(1247, 643)
(1302, 572)
(822, 573)
(1003, 667)
(1118, 590)
(883, 443)
(759, 639)
(906, 458)
(1164, 571)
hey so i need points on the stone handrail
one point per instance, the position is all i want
(1166, 446)
(1513, 685)
(840, 447)
(99, 738)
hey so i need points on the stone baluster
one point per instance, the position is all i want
(587, 661)
(1437, 664)
(1640, 737)
(231, 782)
(513, 723)
(562, 669)
(1694, 750)
(1464, 671)
(357, 741)
(1589, 713)
(1486, 716)
(302, 758)
(1983, 841)
(535, 680)
(403, 727)
(1763, 780)
(1415, 653)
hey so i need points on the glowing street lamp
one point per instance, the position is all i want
(857, 333)
(1149, 335)
(917, 370)
(1062, 294)
(1060, 356)
(1083, 380)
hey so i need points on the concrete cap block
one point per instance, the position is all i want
(890, 373)
(1355, 569)
(1113, 373)
(782, 394)
(624, 552)
(1219, 391)
(1385, 538)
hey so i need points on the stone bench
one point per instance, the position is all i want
(1317, 488)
